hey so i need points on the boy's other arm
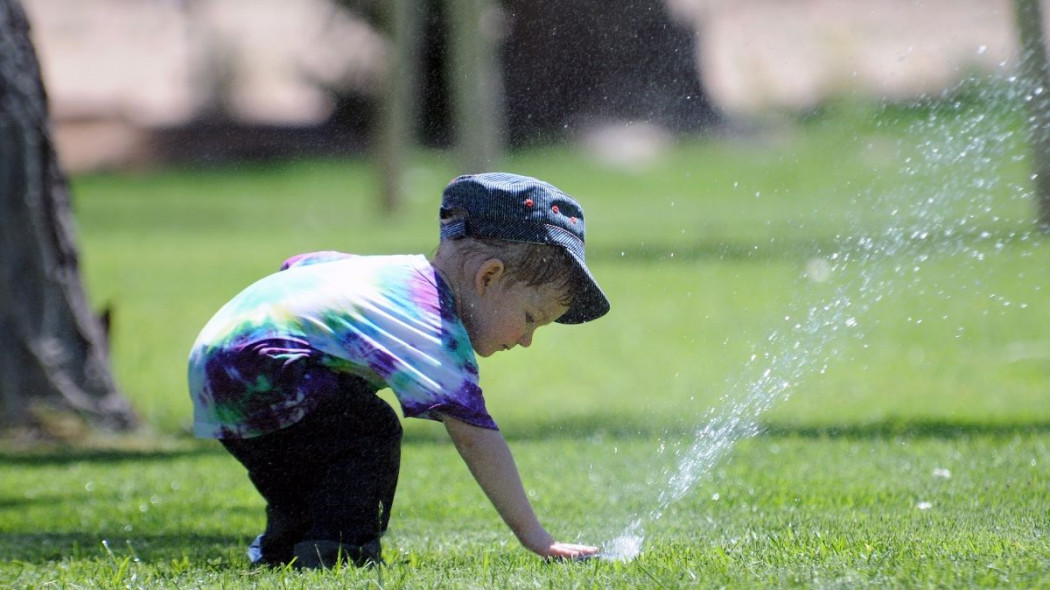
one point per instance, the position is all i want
(488, 457)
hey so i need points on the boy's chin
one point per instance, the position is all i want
(488, 351)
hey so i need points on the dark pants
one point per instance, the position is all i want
(328, 480)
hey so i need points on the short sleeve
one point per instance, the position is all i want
(398, 327)
(433, 372)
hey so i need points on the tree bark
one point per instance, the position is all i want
(54, 353)
(1035, 76)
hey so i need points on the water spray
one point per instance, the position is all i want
(926, 220)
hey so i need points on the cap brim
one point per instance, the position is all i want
(591, 303)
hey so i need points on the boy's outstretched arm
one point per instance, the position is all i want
(488, 457)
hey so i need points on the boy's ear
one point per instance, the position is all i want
(489, 272)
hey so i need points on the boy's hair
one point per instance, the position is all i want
(527, 263)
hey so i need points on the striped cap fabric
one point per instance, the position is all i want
(517, 208)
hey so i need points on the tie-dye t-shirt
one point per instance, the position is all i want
(327, 320)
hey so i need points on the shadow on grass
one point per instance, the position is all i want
(41, 548)
(593, 427)
(606, 427)
(781, 249)
(69, 454)
(798, 246)
(943, 429)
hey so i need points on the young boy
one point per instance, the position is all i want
(285, 374)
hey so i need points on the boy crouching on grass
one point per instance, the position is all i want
(285, 374)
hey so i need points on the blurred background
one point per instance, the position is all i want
(742, 163)
(817, 219)
(137, 83)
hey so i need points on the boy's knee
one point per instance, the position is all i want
(384, 422)
(394, 426)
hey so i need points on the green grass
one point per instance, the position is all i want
(794, 509)
(911, 450)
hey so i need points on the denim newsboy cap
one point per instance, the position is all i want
(518, 208)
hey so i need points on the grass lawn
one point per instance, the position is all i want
(865, 286)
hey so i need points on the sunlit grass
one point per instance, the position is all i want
(865, 509)
(915, 454)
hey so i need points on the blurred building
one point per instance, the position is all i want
(120, 72)
(133, 81)
(794, 54)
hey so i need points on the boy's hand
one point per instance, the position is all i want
(568, 551)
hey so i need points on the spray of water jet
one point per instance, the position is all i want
(936, 212)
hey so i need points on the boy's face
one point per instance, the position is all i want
(505, 315)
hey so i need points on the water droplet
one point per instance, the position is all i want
(624, 548)
(818, 270)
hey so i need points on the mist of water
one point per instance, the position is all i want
(936, 212)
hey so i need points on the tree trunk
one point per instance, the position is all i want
(54, 354)
(398, 111)
(573, 63)
(477, 89)
(1035, 76)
